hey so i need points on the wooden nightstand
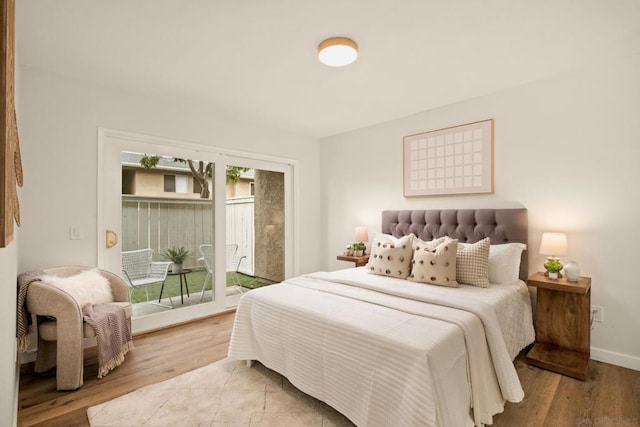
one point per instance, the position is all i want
(360, 261)
(563, 325)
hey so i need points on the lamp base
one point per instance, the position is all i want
(553, 274)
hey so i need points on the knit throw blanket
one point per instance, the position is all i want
(23, 319)
(113, 334)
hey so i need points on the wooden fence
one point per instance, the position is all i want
(162, 223)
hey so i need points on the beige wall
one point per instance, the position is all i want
(566, 148)
(241, 188)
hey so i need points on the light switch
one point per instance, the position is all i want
(75, 233)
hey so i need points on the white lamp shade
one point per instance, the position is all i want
(554, 244)
(337, 51)
(362, 235)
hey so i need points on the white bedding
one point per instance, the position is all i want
(385, 351)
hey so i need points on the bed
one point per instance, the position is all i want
(386, 350)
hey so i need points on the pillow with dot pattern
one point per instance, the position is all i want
(380, 238)
(435, 265)
(419, 244)
(392, 258)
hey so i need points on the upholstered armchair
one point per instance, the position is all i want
(60, 327)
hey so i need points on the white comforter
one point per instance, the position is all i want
(385, 351)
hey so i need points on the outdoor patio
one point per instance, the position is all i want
(194, 279)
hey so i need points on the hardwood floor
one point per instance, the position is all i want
(609, 397)
(157, 356)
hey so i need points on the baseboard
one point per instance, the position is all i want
(614, 358)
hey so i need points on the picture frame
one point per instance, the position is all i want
(10, 161)
(455, 160)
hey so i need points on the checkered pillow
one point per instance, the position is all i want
(472, 263)
(435, 265)
(392, 258)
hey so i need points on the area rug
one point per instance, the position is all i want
(225, 393)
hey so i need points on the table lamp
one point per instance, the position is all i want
(362, 235)
(553, 245)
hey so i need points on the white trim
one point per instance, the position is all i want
(296, 222)
(618, 359)
(138, 137)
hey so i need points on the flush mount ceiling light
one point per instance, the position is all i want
(337, 51)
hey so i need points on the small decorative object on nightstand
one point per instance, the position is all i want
(553, 245)
(563, 325)
(358, 248)
(572, 271)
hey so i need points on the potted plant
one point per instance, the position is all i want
(348, 251)
(553, 267)
(177, 255)
(358, 248)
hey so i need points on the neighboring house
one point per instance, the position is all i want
(244, 187)
(173, 179)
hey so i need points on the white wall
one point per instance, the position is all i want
(59, 140)
(8, 364)
(566, 148)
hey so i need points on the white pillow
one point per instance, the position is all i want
(504, 263)
(87, 288)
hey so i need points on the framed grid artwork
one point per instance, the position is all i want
(454, 160)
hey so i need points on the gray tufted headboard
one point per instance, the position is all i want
(466, 225)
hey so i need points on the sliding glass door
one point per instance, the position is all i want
(212, 225)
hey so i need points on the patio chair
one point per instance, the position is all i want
(233, 261)
(140, 271)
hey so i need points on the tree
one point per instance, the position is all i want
(201, 172)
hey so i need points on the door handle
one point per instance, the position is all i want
(111, 238)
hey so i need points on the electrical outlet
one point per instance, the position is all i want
(597, 313)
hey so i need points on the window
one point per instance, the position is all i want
(169, 183)
(252, 186)
(128, 182)
(175, 184)
(197, 188)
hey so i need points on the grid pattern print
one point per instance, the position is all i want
(450, 161)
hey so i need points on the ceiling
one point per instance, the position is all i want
(257, 58)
